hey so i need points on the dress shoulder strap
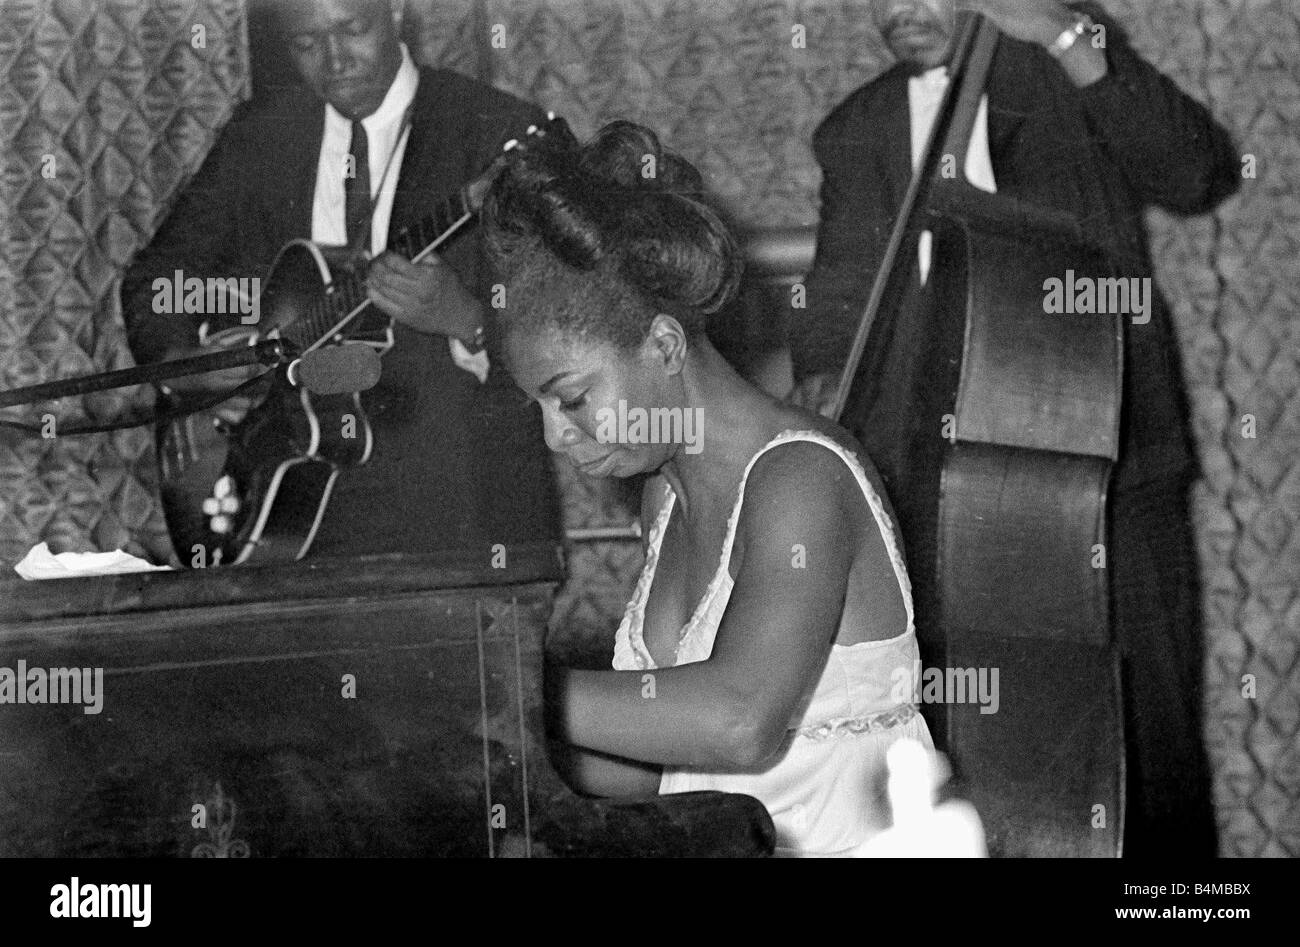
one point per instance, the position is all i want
(869, 492)
(629, 647)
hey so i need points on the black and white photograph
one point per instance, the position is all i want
(649, 430)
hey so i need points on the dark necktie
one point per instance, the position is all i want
(357, 190)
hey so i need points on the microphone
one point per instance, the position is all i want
(336, 369)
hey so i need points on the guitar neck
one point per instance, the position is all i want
(347, 298)
(430, 232)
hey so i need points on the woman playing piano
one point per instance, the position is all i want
(768, 648)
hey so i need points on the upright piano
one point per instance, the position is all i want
(385, 706)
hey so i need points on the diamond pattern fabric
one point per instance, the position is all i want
(107, 106)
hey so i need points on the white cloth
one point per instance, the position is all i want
(924, 94)
(40, 563)
(387, 144)
(822, 789)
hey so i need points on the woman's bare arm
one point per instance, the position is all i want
(599, 774)
(587, 771)
(799, 529)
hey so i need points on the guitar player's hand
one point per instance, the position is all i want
(427, 296)
(209, 384)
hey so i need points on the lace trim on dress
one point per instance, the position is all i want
(629, 642)
(874, 503)
(852, 726)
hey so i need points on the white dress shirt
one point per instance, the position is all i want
(924, 93)
(386, 134)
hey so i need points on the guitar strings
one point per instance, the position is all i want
(356, 308)
(398, 145)
(321, 311)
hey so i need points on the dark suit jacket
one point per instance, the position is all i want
(456, 464)
(1101, 153)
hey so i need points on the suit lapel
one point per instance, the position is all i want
(298, 166)
(1007, 115)
(893, 124)
(435, 155)
(1007, 109)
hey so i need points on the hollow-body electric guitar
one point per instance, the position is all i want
(258, 490)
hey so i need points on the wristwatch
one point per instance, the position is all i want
(1062, 44)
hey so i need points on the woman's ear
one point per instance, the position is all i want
(668, 343)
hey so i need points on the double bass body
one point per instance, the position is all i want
(994, 421)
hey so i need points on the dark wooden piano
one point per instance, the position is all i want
(389, 706)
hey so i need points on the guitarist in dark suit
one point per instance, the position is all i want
(1073, 120)
(459, 460)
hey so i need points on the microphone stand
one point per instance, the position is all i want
(267, 352)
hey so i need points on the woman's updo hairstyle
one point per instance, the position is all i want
(597, 239)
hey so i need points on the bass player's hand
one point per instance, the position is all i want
(1041, 22)
(1031, 21)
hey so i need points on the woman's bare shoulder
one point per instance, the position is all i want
(799, 420)
(801, 481)
(804, 472)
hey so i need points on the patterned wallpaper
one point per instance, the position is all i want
(1231, 278)
(105, 107)
(127, 106)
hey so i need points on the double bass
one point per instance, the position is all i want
(995, 425)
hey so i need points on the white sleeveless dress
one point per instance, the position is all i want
(824, 788)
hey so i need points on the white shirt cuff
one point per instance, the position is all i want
(476, 363)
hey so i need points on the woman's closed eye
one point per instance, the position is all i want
(574, 404)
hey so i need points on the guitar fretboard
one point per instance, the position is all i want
(338, 310)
